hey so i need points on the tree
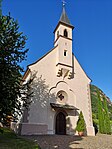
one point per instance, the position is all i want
(12, 53)
(103, 115)
(107, 126)
(100, 113)
(81, 126)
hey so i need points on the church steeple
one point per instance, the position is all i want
(63, 41)
(64, 18)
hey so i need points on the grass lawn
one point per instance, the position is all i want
(9, 140)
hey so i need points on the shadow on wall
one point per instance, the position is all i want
(41, 92)
(40, 99)
(70, 127)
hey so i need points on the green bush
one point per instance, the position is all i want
(1, 130)
(81, 126)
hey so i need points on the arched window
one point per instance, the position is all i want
(65, 33)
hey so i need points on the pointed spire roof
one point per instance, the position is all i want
(64, 17)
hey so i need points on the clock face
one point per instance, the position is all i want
(62, 97)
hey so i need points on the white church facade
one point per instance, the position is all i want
(61, 89)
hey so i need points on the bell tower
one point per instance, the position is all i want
(63, 41)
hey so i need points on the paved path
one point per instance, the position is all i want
(73, 142)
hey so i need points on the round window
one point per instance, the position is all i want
(62, 97)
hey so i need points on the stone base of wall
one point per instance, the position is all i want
(30, 129)
(90, 131)
(41, 129)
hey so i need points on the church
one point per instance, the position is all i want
(61, 89)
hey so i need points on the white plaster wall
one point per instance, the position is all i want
(46, 68)
(80, 87)
(76, 88)
(64, 44)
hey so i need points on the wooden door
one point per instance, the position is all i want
(61, 124)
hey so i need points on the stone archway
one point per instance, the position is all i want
(60, 124)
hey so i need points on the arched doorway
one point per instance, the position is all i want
(60, 127)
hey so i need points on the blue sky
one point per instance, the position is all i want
(92, 35)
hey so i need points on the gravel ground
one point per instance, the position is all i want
(73, 142)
